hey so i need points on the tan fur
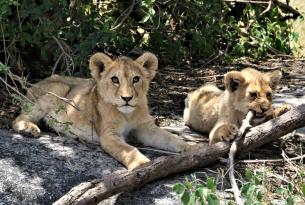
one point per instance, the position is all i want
(220, 113)
(101, 114)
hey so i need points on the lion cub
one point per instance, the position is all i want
(208, 109)
(105, 109)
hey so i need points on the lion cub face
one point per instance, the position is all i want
(123, 82)
(252, 90)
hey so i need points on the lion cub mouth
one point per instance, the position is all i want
(126, 108)
(259, 114)
(260, 117)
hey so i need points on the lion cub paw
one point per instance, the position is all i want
(27, 128)
(186, 146)
(281, 110)
(224, 132)
(138, 162)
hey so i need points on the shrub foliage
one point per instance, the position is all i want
(59, 35)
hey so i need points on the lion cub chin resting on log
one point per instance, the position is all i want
(220, 113)
(105, 109)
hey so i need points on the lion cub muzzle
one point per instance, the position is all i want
(126, 109)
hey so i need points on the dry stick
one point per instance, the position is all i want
(267, 9)
(66, 100)
(234, 147)
(259, 67)
(157, 150)
(271, 160)
(246, 1)
(60, 45)
(287, 8)
(94, 191)
(283, 6)
(126, 13)
(14, 89)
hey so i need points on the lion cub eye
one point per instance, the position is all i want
(135, 79)
(253, 94)
(269, 95)
(115, 80)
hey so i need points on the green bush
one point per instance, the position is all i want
(60, 37)
(254, 191)
(194, 192)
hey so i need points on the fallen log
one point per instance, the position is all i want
(96, 190)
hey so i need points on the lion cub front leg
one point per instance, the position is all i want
(151, 135)
(128, 155)
(223, 132)
(26, 122)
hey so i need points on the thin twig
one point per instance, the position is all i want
(271, 160)
(258, 67)
(65, 53)
(56, 63)
(4, 45)
(287, 8)
(267, 9)
(214, 58)
(66, 100)
(247, 1)
(158, 150)
(126, 13)
(186, 133)
(289, 162)
(280, 4)
(242, 130)
(15, 90)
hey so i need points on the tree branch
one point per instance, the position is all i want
(125, 14)
(234, 147)
(287, 8)
(281, 5)
(94, 191)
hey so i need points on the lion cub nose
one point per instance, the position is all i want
(127, 99)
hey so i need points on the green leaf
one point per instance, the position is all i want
(188, 184)
(192, 199)
(210, 183)
(259, 195)
(145, 19)
(213, 199)
(256, 180)
(245, 188)
(202, 192)
(3, 68)
(251, 190)
(179, 188)
(290, 200)
(281, 191)
(290, 187)
(185, 198)
(303, 189)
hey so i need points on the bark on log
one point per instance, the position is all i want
(96, 190)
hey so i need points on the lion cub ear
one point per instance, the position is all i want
(274, 77)
(150, 62)
(233, 80)
(98, 63)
